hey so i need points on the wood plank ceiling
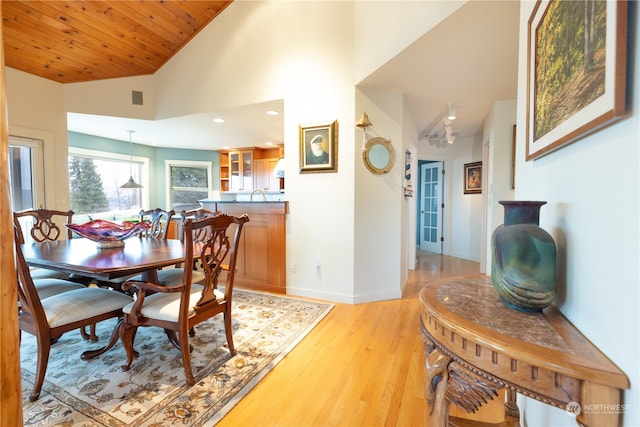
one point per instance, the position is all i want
(77, 40)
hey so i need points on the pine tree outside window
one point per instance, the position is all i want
(94, 184)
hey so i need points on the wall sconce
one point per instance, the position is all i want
(364, 123)
(377, 153)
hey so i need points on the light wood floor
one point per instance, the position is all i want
(363, 365)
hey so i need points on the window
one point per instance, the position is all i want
(25, 173)
(95, 178)
(187, 182)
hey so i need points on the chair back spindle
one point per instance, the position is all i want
(159, 221)
(44, 227)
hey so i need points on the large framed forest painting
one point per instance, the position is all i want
(576, 71)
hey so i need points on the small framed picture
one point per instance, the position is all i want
(319, 147)
(473, 178)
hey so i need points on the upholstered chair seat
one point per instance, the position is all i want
(79, 304)
(49, 287)
(172, 276)
(167, 306)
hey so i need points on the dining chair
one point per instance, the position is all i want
(159, 221)
(173, 276)
(179, 308)
(198, 235)
(49, 318)
(42, 227)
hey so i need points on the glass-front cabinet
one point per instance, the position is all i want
(241, 171)
(246, 169)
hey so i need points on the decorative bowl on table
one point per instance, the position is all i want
(108, 234)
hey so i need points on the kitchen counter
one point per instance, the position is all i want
(261, 262)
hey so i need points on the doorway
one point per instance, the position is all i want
(430, 206)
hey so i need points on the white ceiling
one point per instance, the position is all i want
(470, 59)
(246, 126)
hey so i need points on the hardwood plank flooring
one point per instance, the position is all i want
(363, 365)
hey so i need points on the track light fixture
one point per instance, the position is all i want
(448, 131)
(452, 112)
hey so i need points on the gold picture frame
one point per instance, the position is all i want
(473, 178)
(319, 147)
(575, 85)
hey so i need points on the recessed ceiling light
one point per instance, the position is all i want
(272, 113)
(218, 120)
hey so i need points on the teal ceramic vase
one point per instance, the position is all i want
(523, 266)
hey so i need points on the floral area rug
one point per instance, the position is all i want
(154, 391)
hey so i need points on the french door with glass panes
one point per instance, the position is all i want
(26, 178)
(26, 173)
(430, 224)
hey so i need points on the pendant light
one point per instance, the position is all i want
(131, 183)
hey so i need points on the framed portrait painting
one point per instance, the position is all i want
(473, 178)
(319, 147)
(576, 71)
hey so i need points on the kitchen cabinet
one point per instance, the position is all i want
(241, 170)
(264, 179)
(261, 260)
(224, 171)
(246, 169)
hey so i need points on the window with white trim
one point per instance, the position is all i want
(95, 178)
(187, 182)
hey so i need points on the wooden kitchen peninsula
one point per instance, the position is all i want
(261, 263)
(476, 346)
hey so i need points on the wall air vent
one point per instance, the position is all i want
(136, 97)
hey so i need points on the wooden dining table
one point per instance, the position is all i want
(82, 257)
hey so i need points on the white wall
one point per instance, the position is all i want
(36, 110)
(378, 238)
(498, 134)
(112, 97)
(384, 28)
(591, 187)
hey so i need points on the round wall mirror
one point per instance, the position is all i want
(378, 155)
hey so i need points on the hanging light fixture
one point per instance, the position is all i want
(452, 111)
(131, 183)
(448, 131)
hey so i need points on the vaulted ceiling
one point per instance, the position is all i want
(77, 41)
(469, 59)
